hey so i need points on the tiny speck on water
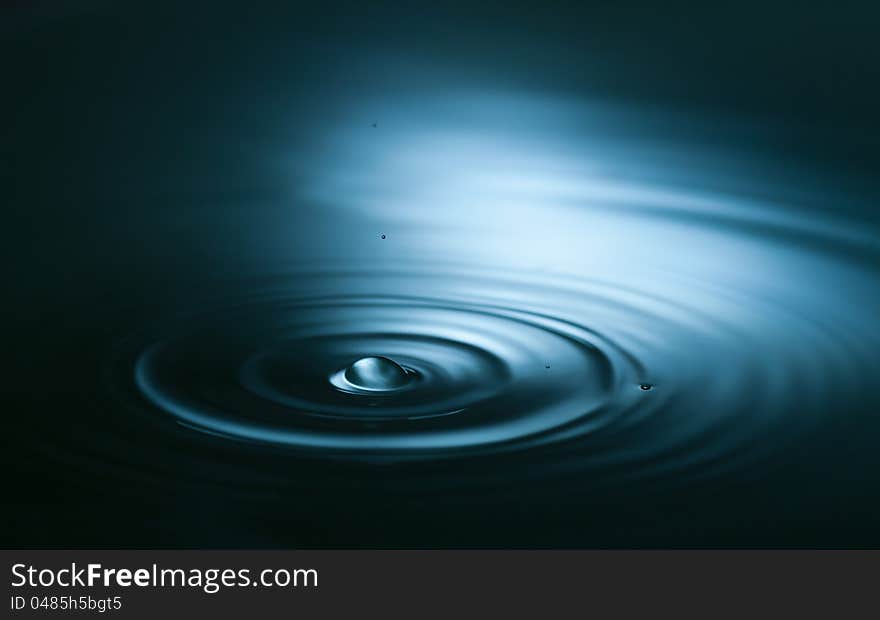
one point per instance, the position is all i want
(383, 236)
(547, 366)
(646, 386)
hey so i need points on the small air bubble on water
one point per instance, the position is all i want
(377, 373)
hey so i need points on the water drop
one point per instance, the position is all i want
(646, 386)
(376, 373)
(383, 236)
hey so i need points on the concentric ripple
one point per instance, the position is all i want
(543, 298)
(600, 374)
(479, 374)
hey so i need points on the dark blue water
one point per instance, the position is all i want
(397, 277)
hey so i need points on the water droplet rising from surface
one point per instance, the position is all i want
(376, 373)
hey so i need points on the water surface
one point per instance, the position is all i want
(359, 291)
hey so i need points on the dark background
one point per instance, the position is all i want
(130, 128)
